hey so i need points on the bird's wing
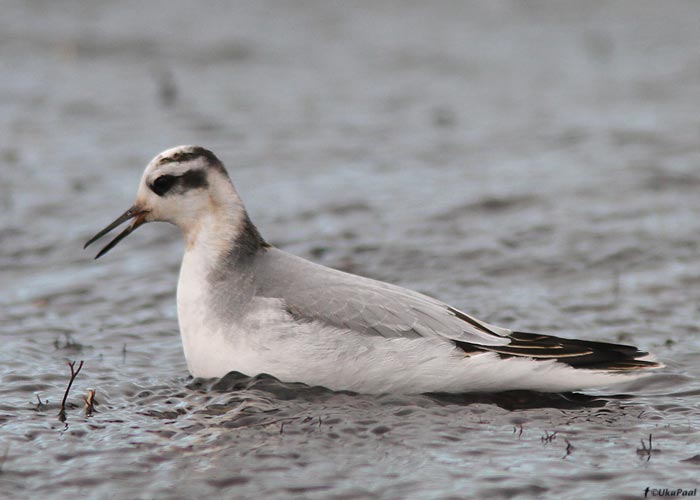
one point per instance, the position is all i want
(316, 293)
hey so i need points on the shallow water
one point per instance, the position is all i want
(534, 164)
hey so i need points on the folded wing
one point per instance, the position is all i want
(316, 293)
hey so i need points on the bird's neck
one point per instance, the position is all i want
(223, 238)
(218, 268)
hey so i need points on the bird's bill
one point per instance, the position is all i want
(136, 213)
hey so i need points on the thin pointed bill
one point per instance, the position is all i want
(135, 213)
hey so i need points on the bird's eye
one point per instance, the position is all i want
(163, 184)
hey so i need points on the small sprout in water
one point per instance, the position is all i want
(40, 405)
(646, 451)
(548, 438)
(90, 403)
(569, 448)
(73, 374)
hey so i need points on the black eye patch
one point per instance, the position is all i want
(162, 184)
(169, 184)
(193, 179)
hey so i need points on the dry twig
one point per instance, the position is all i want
(569, 448)
(90, 403)
(548, 438)
(73, 374)
(644, 450)
(515, 429)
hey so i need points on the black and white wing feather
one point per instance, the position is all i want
(315, 293)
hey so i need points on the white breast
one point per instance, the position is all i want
(214, 346)
(208, 351)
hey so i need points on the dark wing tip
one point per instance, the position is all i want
(573, 352)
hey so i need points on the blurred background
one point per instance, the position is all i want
(532, 162)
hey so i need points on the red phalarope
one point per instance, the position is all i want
(245, 305)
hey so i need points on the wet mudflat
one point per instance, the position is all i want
(536, 165)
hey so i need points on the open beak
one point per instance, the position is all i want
(135, 213)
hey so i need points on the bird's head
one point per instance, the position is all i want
(181, 186)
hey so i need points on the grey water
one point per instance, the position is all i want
(536, 164)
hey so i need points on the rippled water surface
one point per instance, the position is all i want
(534, 163)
